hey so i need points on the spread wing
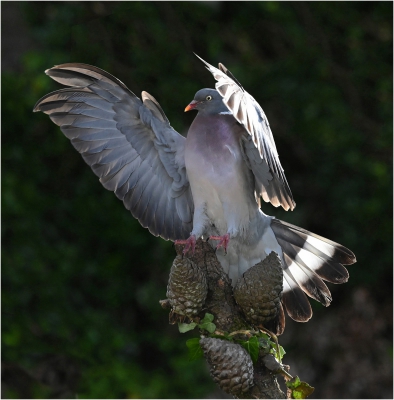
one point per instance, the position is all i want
(259, 146)
(129, 144)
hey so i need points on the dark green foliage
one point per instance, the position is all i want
(252, 347)
(205, 324)
(195, 351)
(80, 277)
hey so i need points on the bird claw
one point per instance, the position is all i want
(190, 244)
(223, 241)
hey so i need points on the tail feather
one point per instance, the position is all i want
(293, 295)
(308, 281)
(333, 272)
(320, 264)
(332, 249)
(308, 260)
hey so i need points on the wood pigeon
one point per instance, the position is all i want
(206, 185)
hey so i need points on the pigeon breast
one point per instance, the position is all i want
(220, 181)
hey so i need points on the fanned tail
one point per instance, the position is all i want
(309, 259)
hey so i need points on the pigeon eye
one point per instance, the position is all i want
(209, 98)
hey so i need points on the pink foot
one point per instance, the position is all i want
(190, 244)
(223, 241)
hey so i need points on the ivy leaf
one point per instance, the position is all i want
(186, 327)
(293, 383)
(281, 351)
(207, 318)
(208, 326)
(195, 350)
(299, 389)
(252, 347)
(274, 351)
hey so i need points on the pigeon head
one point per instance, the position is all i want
(207, 101)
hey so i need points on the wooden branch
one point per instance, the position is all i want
(228, 317)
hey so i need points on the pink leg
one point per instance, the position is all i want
(223, 241)
(190, 244)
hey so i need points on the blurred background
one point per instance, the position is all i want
(82, 280)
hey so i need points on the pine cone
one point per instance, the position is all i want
(187, 287)
(230, 365)
(259, 294)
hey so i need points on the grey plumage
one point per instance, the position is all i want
(207, 185)
(129, 144)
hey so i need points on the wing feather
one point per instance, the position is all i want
(248, 112)
(129, 144)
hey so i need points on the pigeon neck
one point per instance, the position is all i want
(219, 110)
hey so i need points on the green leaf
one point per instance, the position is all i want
(293, 383)
(274, 351)
(194, 347)
(299, 389)
(186, 327)
(208, 326)
(252, 347)
(206, 323)
(207, 318)
(302, 391)
(281, 351)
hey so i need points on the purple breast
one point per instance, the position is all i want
(213, 135)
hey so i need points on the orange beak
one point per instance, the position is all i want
(192, 105)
